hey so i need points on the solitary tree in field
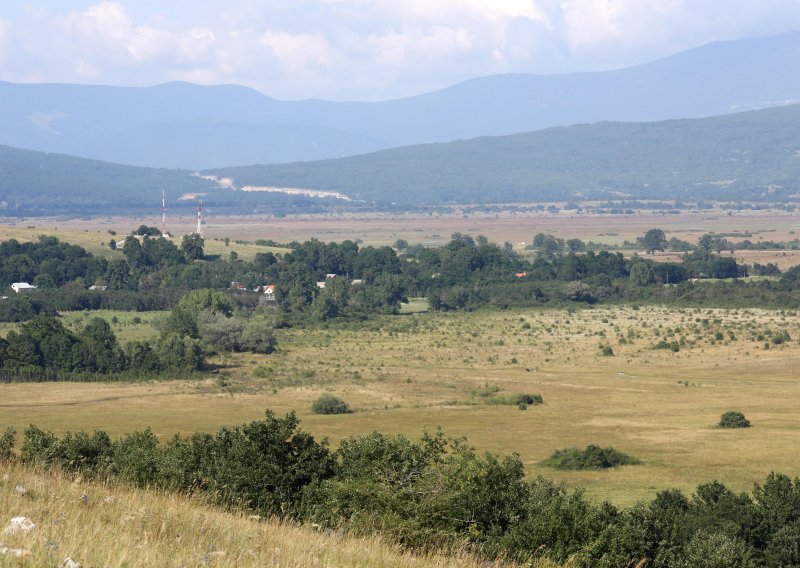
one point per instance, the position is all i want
(654, 240)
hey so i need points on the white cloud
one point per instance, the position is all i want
(5, 37)
(297, 52)
(359, 48)
(86, 71)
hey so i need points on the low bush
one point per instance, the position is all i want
(733, 419)
(329, 404)
(528, 399)
(7, 441)
(593, 457)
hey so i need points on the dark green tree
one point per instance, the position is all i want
(654, 240)
(118, 276)
(192, 246)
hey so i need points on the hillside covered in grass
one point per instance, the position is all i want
(98, 524)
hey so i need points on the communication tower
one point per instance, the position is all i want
(199, 230)
(163, 214)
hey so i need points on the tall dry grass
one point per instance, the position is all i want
(100, 524)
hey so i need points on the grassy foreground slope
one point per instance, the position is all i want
(97, 524)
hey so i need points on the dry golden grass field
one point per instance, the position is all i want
(415, 372)
(97, 524)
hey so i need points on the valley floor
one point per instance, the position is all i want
(458, 371)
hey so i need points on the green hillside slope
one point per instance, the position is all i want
(746, 156)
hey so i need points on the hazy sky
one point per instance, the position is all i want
(357, 49)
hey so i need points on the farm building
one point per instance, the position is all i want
(22, 287)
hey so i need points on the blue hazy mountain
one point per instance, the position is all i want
(747, 156)
(190, 126)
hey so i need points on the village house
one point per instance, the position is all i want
(22, 287)
(269, 293)
(238, 286)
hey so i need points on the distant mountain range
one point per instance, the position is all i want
(181, 125)
(745, 156)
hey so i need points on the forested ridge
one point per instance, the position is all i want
(750, 156)
(739, 157)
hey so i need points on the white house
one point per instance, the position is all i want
(22, 287)
(269, 293)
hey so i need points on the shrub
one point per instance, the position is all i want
(781, 337)
(36, 444)
(528, 399)
(258, 336)
(593, 457)
(716, 549)
(784, 547)
(7, 441)
(80, 452)
(733, 419)
(329, 404)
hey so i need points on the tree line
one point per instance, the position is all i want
(319, 281)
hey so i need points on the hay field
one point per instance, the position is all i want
(435, 228)
(416, 372)
(94, 237)
(432, 229)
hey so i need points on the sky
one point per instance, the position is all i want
(357, 49)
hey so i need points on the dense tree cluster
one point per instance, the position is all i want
(208, 315)
(47, 263)
(437, 493)
(44, 349)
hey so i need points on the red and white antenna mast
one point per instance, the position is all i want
(163, 213)
(199, 217)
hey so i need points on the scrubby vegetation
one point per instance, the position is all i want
(437, 494)
(733, 419)
(105, 524)
(329, 404)
(592, 457)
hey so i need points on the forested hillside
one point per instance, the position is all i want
(44, 184)
(746, 156)
(751, 156)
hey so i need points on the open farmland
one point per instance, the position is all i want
(417, 372)
(435, 229)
